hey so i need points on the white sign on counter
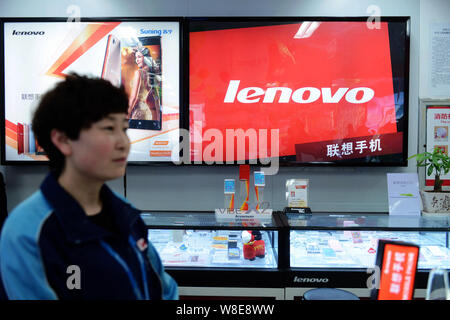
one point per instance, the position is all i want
(403, 193)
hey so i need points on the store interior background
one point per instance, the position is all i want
(332, 189)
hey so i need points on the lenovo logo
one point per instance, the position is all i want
(28, 33)
(301, 95)
(310, 280)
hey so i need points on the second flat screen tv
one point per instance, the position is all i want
(330, 91)
(143, 55)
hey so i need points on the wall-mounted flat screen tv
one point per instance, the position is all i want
(143, 55)
(309, 91)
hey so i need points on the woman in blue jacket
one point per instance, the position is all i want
(75, 238)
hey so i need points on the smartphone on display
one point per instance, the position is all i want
(141, 76)
(111, 62)
(233, 250)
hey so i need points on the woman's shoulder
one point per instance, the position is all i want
(34, 203)
(28, 217)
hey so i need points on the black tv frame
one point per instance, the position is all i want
(245, 21)
(185, 24)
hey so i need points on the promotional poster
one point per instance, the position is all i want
(143, 56)
(438, 121)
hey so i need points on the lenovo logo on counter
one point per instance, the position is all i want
(300, 95)
(310, 280)
(28, 33)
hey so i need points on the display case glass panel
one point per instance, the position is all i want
(199, 240)
(350, 241)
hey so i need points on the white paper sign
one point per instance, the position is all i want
(403, 193)
(439, 84)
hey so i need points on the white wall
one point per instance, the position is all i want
(201, 188)
(431, 11)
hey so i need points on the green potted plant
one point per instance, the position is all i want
(437, 163)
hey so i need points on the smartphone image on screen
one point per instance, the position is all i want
(111, 62)
(141, 76)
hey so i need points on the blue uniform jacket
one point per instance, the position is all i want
(49, 249)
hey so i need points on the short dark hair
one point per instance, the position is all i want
(72, 105)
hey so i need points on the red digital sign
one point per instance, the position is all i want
(321, 91)
(398, 270)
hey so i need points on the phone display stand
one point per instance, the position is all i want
(305, 210)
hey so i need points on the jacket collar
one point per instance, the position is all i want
(75, 222)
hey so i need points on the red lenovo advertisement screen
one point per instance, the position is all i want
(304, 91)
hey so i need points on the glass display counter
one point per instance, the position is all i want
(209, 256)
(339, 250)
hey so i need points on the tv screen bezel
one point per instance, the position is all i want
(181, 23)
(277, 20)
